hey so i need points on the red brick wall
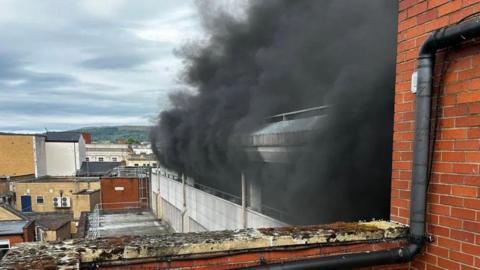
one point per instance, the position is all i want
(234, 260)
(87, 137)
(29, 232)
(14, 239)
(120, 199)
(453, 201)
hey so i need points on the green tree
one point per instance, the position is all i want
(132, 141)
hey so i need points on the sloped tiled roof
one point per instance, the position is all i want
(12, 227)
(50, 221)
(63, 136)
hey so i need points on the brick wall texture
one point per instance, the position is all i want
(121, 193)
(453, 199)
(16, 155)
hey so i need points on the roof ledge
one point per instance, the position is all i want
(71, 254)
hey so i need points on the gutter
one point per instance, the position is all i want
(440, 39)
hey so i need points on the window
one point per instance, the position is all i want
(100, 159)
(87, 159)
(154, 164)
(114, 159)
(39, 199)
(136, 164)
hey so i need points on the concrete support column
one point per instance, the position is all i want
(159, 201)
(185, 217)
(159, 206)
(244, 203)
(254, 191)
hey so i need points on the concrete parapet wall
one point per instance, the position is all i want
(206, 211)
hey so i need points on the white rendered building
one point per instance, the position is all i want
(65, 152)
(107, 152)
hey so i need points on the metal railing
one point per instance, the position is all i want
(319, 110)
(94, 217)
(123, 171)
(218, 193)
(94, 223)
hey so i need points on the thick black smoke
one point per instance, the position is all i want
(289, 55)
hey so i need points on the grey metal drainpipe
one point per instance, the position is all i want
(440, 39)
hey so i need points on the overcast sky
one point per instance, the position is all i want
(70, 64)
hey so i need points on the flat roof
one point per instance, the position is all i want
(50, 179)
(86, 191)
(12, 227)
(97, 168)
(15, 178)
(151, 157)
(21, 134)
(130, 223)
(107, 145)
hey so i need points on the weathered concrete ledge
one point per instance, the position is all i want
(71, 254)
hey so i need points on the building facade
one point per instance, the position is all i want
(142, 149)
(65, 153)
(141, 160)
(47, 195)
(107, 152)
(22, 154)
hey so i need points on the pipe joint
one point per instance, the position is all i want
(417, 239)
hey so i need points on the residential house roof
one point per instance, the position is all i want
(50, 221)
(14, 211)
(12, 227)
(67, 136)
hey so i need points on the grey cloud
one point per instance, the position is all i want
(115, 61)
(52, 63)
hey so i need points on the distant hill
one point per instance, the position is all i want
(113, 133)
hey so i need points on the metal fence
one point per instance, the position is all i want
(123, 171)
(95, 216)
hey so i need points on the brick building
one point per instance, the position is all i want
(124, 192)
(14, 229)
(42, 194)
(453, 203)
(22, 154)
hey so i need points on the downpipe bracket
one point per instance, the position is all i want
(429, 238)
(420, 240)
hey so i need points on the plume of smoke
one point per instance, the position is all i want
(282, 56)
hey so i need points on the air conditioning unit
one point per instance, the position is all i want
(61, 202)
